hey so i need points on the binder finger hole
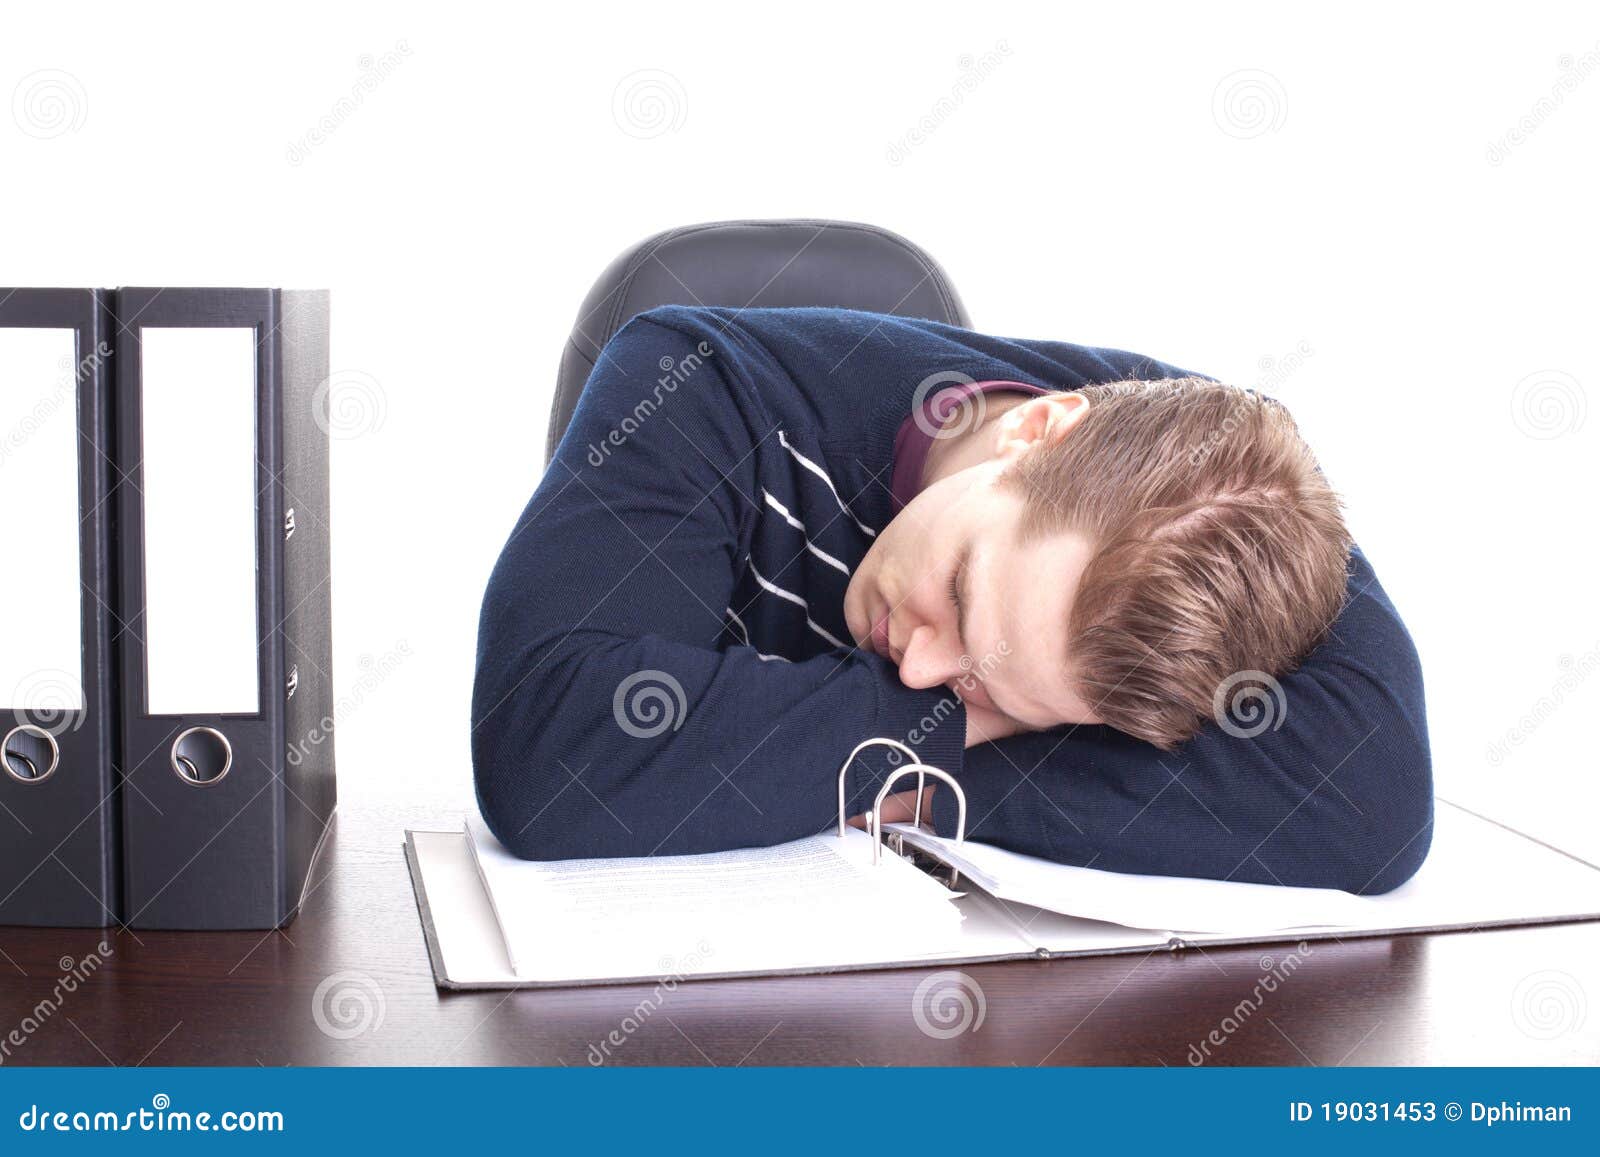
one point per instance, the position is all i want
(30, 754)
(201, 756)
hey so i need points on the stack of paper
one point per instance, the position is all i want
(821, 905)
(810, 904)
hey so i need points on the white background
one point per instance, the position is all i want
(1115, 180)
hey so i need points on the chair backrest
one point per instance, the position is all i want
(745, 264)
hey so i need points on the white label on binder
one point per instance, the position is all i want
(199, 421)
(41, 664)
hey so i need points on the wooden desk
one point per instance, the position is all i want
(1523, 996)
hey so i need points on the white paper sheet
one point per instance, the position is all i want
(1477, 872)
(814, 902)
(41, 658)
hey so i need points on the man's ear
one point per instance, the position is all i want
(1044, 420)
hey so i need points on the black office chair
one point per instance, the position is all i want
(743, 264)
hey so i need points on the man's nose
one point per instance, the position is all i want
(927, 661)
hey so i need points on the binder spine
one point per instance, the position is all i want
(204, 790)
(103, 621)
(58, 858)
(306, 624)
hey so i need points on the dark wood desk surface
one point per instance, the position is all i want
(1518, 996)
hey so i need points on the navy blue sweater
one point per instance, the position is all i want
(663, 663)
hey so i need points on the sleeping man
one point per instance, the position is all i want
(1116, 601)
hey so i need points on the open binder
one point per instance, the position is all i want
(896, 896)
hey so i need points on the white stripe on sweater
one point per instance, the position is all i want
(745, 631)
(823, 474)
(790, 596)
(801, 527)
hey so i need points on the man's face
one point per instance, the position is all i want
(951, 594)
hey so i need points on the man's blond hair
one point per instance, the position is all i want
(1218, 546)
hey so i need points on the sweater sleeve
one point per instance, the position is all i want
(605, 719)
(1321, 781)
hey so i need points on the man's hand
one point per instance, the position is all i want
(900, 808)
(983, 724)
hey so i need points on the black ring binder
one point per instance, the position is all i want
(59, 858)
(30, 746)
(202, 756)
(238, 854)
